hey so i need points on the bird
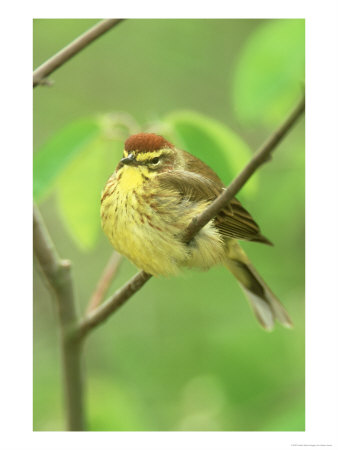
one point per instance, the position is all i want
(152, 196)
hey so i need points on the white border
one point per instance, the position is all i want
(321, 230)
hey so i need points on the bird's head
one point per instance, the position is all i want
(149, 154)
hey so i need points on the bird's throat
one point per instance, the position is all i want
(130, 178)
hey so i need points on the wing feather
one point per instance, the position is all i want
(232, 222)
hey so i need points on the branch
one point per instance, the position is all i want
(107, 277)
(131, 287)
(57, 271)
(72, 49)
(261, 156)
(110, 306)
(44, 249)
(58, 275)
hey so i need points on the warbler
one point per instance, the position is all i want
(151, 198)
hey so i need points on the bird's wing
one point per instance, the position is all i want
(232, 222)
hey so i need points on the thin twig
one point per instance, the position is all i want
(72, 49)
(110, 306)
(261, 156)
(133, 285)
(58, 275)
(108, 274)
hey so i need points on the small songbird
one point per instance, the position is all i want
(151, 198)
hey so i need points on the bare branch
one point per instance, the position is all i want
(261, 156)
(72, 49)
(108, 274)
(110, 306)
(131, 287)
(44, 248)
(58, 274)
(57, 271)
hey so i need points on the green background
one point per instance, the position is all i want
(183, 353)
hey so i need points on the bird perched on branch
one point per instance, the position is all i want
(151, 198)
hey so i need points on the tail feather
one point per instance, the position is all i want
(261, 308)
(267, 310)
(278, 310)
(265, 305)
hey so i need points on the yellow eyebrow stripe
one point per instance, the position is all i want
(147, 156)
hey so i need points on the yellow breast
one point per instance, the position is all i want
(147, 231)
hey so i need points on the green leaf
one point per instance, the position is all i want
(211, 141)
(269, 77)
(79, 189)
(59, 151)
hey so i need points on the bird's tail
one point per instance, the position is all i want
(265, 305)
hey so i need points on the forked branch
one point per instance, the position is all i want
(261, 156)
(58, 275)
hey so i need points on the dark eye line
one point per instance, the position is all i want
(146, 162)
(154, 160)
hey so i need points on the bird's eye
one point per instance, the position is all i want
(155, 160)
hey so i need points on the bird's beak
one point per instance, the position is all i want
(130, 160)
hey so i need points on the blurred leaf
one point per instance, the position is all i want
(79, 189)
(77, 162)
(212, 142)
(269, 77)
(59, 151)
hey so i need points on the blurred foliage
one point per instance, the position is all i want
(269, 77)
(58, 152)
(184, 353)
(211, 141)
(94, 146)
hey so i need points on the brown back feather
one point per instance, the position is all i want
(199, 182)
